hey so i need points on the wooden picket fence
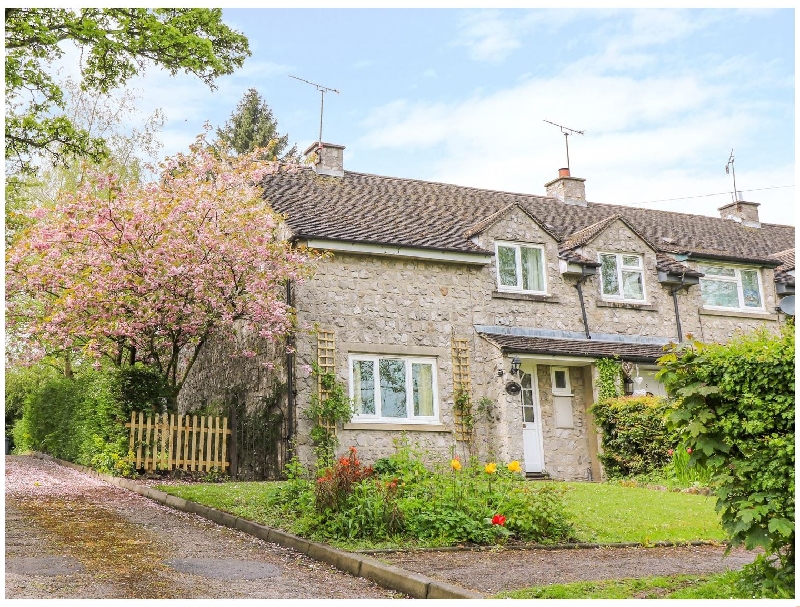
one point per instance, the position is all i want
(188, 442)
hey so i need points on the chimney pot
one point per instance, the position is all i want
(563, 173)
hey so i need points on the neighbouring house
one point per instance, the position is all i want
(436, 292)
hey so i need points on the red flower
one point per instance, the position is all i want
(688, 450)
(498, 519)
(670, 452)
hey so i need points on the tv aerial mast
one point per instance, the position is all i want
(567, 132)
(322, 90)
(729, 169)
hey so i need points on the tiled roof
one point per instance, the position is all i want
(365, 208)
(589, 348)
(671, 266)
(787, 265)
(574, 257)
(485, 223)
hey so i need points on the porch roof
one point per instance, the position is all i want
(589, 348)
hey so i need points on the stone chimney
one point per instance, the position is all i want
(570, 190)
(329, 158)
(742, 212)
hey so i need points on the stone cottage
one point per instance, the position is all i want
(433, 291)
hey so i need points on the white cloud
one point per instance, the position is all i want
(651, 136)
(488, 36)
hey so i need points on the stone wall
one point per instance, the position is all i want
(393, 305)
(383, 305)
(221, 372)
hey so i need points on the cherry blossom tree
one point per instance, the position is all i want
(150, 273)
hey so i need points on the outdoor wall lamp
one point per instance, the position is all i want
(515, 364)
(627, 383)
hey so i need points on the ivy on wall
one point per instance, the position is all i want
(610, 376)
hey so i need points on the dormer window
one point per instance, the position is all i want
(520, 267)
(728, 287)
(622, 276)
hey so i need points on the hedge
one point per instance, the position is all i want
(635, 437)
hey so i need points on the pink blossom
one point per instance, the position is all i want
(158, 268)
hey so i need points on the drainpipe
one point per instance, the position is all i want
(674, 293)
(579, 285)
(290, 396)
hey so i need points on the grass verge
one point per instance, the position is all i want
(609, 512)
(714, 586)
(603, 513)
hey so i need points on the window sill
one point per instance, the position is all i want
(626, 305)
(737, 313)
(401, 426)
(523, 296)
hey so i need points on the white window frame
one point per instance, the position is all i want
(620, 268)
(737, 280)
(565, 391)
(410, 417)
(517, 246)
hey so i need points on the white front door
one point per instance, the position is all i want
(531, 428)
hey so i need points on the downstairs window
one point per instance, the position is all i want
(393, 389)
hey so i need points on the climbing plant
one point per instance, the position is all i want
(610, 372)
(326, 413)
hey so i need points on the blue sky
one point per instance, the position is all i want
(461, 96)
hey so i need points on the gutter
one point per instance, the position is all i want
(770, 263)
(398, 250)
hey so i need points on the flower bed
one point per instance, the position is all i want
(402, 499)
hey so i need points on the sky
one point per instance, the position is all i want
(664, 98)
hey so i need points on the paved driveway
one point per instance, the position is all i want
(69, 535)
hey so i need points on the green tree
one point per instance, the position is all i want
(115, 44)
(251, 126)
(106, 117)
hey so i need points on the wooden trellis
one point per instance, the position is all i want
(462, 384)
(326, 361)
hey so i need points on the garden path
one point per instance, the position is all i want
(69, 535)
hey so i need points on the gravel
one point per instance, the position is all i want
(141, 549)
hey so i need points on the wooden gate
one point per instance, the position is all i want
(188, 442)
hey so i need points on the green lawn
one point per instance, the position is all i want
(603, 513)
(608, 513)
(715, 586)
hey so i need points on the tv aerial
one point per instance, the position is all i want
(729, 169)
(322, 90)
(567, 132)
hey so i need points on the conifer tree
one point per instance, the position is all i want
(251, 126)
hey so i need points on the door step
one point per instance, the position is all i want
(537, 476)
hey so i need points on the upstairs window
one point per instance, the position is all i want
(622, 276)
(393, 389)
(731, 288)
(520, 267)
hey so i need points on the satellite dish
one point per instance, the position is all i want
(786, 305)
(513, 388)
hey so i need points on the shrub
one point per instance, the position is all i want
(80, 419)
(337, 483)
(636, 439)
(736, 411)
